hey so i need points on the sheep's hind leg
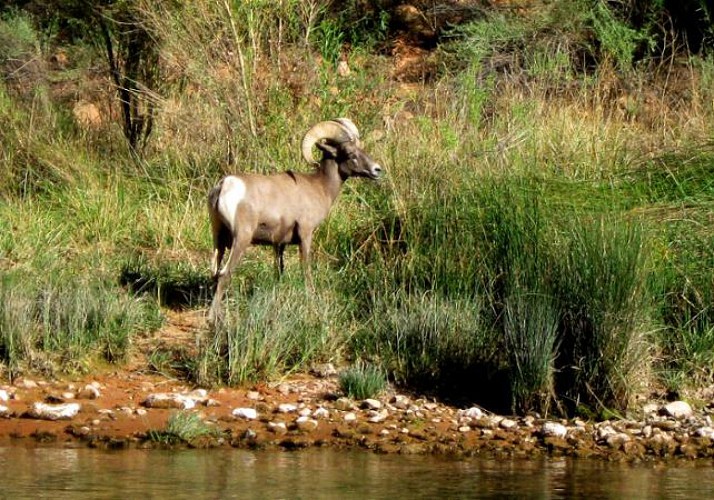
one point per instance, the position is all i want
(223, 279)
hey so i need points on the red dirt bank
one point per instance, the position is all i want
(117, 419)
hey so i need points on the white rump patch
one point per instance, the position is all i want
(232, 193)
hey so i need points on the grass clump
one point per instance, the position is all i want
(274, 331)
(605, 313)
(531, 343)
(184, 428)
(61, 323)
(426, 340)
(362, 381)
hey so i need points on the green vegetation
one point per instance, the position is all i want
(362, 381)
(183, 428)
(541, 242)
(270, 331)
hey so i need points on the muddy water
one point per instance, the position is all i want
(85, 473)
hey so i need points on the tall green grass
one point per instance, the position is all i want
(271, 330)
(67, 321)
(603, 294)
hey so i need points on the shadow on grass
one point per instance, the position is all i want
(176, 286)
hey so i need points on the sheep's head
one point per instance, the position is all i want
(339, 141)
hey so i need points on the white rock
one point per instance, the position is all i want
(306, 423)
(376, 417)
(26, 383)
(400, 402)
(678, 409)
(321, 413)
(605, 432)
(305, 412)
(253, 395)
(68, 395)
(343, 69)
(343, 404)
(706, 432)
(371, 404)
(287, 408)
(4, 396)
(90, 391)
(617, 439)
(650, 409)
(4, 411)
(278, 427)
(245, 413)
(45, 411)
(464, 428)
(554, 429)
(141, 411)
(250, 434)
(199, 395)
(473, 412)
(350, 417)
(169, 400)
(507, 423)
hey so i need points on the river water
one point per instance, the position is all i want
(319, 474)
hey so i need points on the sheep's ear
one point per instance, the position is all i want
(327, 149)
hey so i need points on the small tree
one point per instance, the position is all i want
(132, 53)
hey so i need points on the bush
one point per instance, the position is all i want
(362, 381)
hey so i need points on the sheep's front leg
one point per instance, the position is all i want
(305, 244)
(279, 262)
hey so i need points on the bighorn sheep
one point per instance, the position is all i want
(285, 208)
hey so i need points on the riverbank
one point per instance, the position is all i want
(133, 409)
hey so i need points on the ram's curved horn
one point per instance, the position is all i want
(339, 130)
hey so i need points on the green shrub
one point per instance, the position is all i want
(184, 428)
(362, 381)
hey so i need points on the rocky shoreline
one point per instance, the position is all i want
(129, 410)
